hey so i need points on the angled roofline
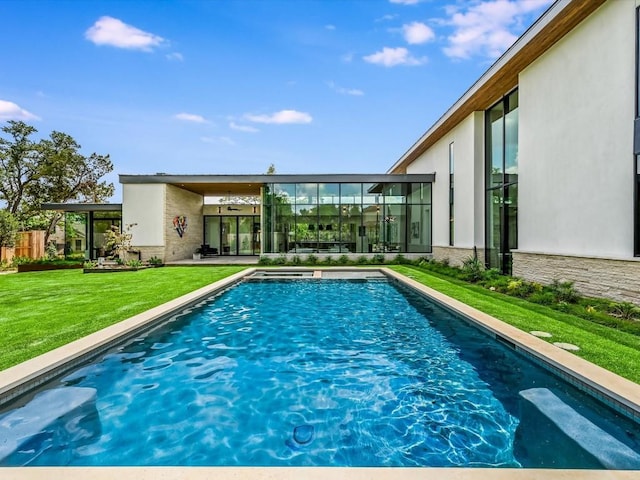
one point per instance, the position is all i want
(502, 77)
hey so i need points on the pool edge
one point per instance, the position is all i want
(618, 392)
(21, 378)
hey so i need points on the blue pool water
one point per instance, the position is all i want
(327, 373)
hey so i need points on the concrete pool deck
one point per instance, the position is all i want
(620, 393)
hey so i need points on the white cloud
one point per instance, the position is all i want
(218, 140)
(345, 91)
(406, 2)
(487, 28)
(12, 111)
(176, 56)
(243, 128)
(392, 57)
(111, 31)
(190, 117)
(330, 27)
(385, 18)
(347, 57)
(416, 33)
(282, 117)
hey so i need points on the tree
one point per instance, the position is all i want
(20, 162)
(8, 229)
(51, 170)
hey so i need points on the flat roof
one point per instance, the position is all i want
(502, 76)
(250, 184)
(83, 207)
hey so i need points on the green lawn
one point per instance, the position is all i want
(612, 349)
(43, 310)
(40, 311)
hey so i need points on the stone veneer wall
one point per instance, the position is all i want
(592, 276)
(455, 255)
(147, 252)
(189, 204)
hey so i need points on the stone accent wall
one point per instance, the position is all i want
(147, 252)
(592, 276)
(182, 202)
(455, 255)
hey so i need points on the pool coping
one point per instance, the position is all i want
(28, 375)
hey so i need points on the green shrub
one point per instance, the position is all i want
(377, 259)
(343, 260)
(51, 251)
(312, 259)
(280, 260)
(400, 259)
(472, 269)
(157, 261)
(328, 260)
(21, 261)
(265, 261)
(89, 264)
(133, 263)
(296, 260)
(362, 260)
(625, 310)
(564, 292)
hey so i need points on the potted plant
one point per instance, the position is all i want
(197, 254)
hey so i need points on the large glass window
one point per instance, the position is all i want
(451, 196)
(636, 193)
(501, 213)
(347, 218)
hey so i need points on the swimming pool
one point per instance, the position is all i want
(355, 373)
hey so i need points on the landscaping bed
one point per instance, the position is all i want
(41, 267)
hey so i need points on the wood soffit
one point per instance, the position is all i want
(506, 78)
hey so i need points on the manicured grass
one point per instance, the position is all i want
(612, 349)
(40, 311)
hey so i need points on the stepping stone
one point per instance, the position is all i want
(567, 346)
(537, 333)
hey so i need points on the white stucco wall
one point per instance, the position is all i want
(144, 206)
(576, 140)
(468, 202)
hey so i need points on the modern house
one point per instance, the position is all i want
(534, 169)
(537, 163)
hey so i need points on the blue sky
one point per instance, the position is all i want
(225, 86)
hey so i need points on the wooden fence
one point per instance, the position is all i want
(29, 244)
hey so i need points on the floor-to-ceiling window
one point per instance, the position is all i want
(451, 197)
(336, 218)
(233, 234)
(501, 142)
(636, 193)
(85, 232)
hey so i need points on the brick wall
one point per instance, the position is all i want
(596, 277)
(182, 202)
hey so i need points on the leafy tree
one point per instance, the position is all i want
(20, 162)
(51, 170)
(8, 229)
